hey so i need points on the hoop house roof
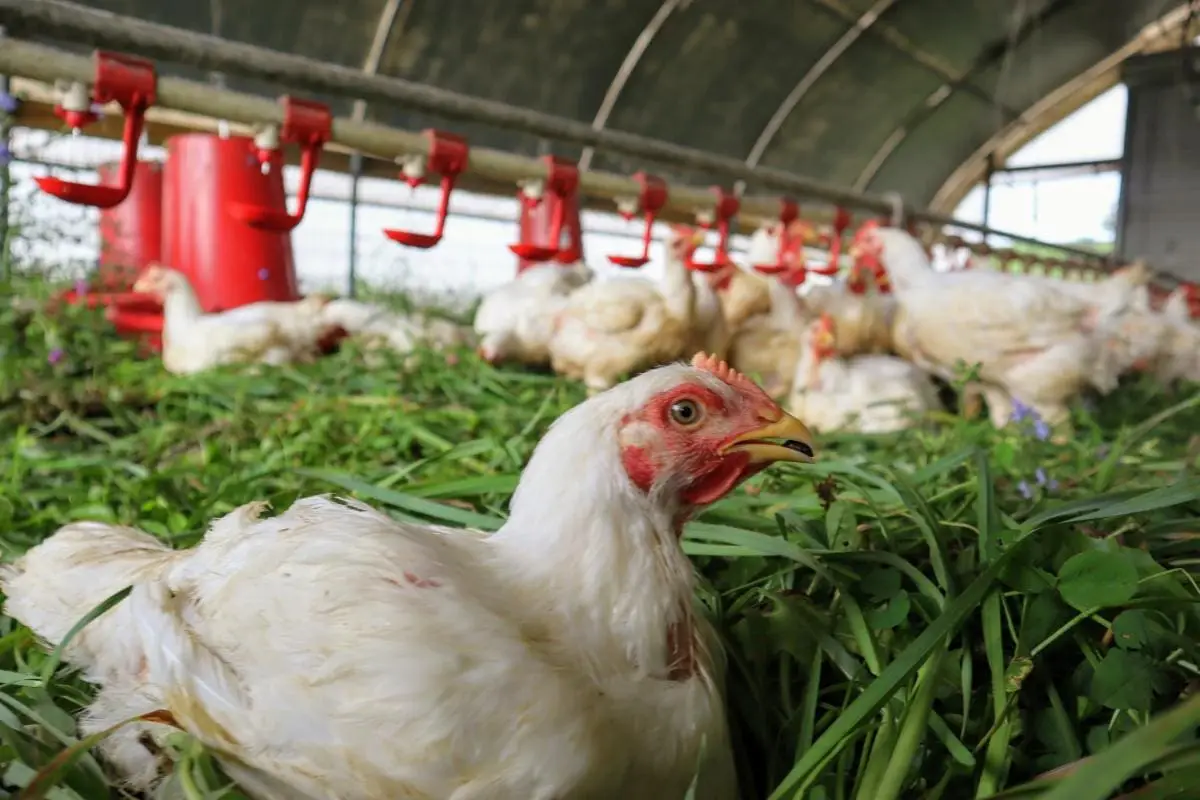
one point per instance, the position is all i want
(879, 95)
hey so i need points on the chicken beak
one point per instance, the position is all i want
(785, 439)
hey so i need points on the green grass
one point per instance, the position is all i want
(902, 622)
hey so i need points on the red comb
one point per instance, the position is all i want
(717, 367)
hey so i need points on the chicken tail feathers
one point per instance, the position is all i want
(58, 582)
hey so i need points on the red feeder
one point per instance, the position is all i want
(789, 212)
(652, 198)
(307, 124)
(130, 233)
(130, 238)
(137, 320)
(229, 263)
(726, 208)
(447, 157)
(557, 203)
(131, 83)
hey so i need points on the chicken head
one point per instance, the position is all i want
(821, 341)
(824, 340)
(702, 435)
(157, 280)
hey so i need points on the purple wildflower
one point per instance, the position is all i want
(55, 355)
(8, 103)
(1045, 480)
(1021, 412)
(1040, 429)
(1025, 489)
(5, 154)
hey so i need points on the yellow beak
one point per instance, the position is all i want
(785, 439)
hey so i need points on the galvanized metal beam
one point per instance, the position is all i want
(640, 45)
(814, 73)
(1163, 33)
(379, 43)
(924, 110)
(901, 44)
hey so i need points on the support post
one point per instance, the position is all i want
(356, 168)
(988, 174)
(5, 174)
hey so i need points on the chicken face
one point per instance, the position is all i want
(683, 241)
(497, 347)
(702, 437)
(158, 281)
(824, 338)
(867, 247)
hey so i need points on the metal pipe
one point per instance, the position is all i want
(356, 167)
(50, 17)
(5, 178)
(987, 193)
(624, 233)
(1094, 165)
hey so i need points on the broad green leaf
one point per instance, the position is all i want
(1097, 579)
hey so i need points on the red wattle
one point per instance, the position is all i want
(720, 481)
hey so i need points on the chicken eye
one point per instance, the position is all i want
(685, 412)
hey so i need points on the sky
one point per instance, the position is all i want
(473, 256)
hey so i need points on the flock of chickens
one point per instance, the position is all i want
(277, 332)
(868, 361)
(332, 651)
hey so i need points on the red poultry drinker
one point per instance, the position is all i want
(130, 239)
(549, 212)
(226, 223)
(229, 262)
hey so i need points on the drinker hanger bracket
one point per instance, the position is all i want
(305, 123)
(723, 212)
(448, 155)
(559, 188)
(648, 202)
(132, 84)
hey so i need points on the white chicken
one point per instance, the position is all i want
(332, 651)
(1179, 356)
(266, 332)
(864, 321)
(380, 326)
(514, 323)
(865, 394)
(767, 345)
(1033, 342)
(621, 326)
